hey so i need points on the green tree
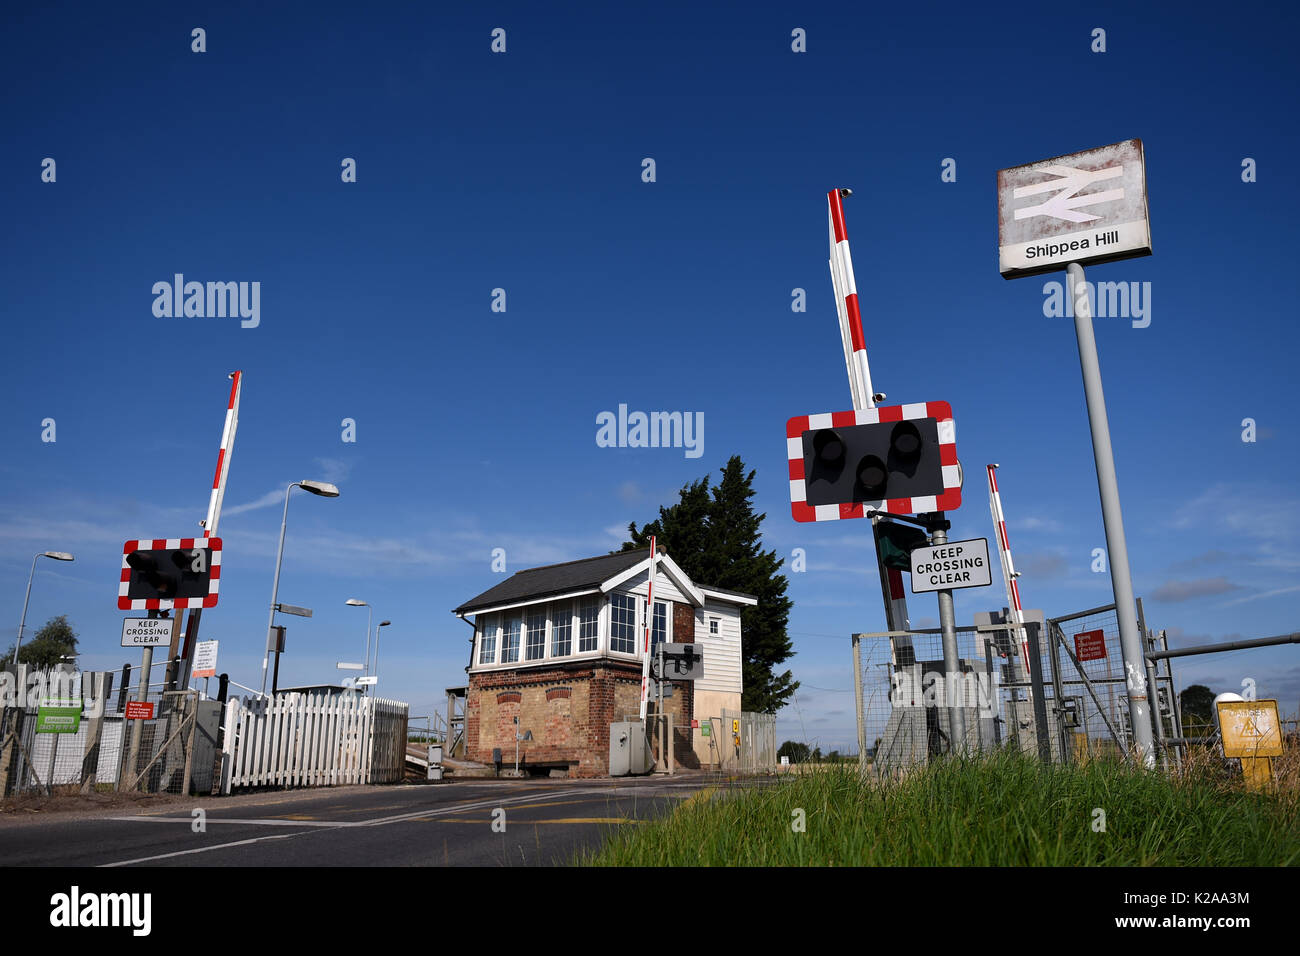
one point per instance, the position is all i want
(53, 642)
(797, 752)
(1197, 702)
(714, 536)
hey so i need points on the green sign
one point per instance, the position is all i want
(706, 730)
(58, 717)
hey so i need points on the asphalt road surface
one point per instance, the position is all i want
(470, 823)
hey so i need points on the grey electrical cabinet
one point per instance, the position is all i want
(628, 753)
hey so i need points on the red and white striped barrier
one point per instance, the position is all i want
(223, 457)
(649, 621)
(846, 304)
(1009, 572)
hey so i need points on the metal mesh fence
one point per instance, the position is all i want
(908, 700)
(1097, 716)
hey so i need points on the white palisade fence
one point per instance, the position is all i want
(313, 740)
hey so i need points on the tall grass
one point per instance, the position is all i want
(998, 810)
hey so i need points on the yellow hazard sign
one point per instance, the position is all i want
(735, 727)
(1250, 728)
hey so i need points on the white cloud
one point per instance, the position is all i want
(334, 470)
(1265, 594)
(1174, 591)
(268, 499)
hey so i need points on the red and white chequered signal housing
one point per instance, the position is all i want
(846, 303)
(1008, 568)
(223, 457)
(125, 603)
(949, 500)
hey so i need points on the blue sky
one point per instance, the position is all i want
(522, 171)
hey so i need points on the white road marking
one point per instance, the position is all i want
(455, 808)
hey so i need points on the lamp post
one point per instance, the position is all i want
(381, 624)
(324, 490)
(355, 602)
(55, 555)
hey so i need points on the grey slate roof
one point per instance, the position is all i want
(555, 579)
(539, 583)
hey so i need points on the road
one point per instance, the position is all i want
(537, 822)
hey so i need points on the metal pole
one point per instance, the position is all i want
(857, 701)
(23, 622)
(275, 587)
(126, 687)
(137, 726)
(378, 628)
(951, 663)
(1040, 702)
(995, 701)
(1148, 645)
(1174, 703)
(1058, 692)
(1226, 646)
(1121, 579)
(369, 622)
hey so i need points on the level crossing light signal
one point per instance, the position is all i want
(165, 573)
(899, 459)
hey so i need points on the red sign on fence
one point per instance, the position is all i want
(1090, 646)
(139, 710)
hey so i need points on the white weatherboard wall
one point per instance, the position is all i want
(720, 688)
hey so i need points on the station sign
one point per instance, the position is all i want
(1087, 207)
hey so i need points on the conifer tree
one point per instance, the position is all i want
(713, 534)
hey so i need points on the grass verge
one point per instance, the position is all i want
(998, 810)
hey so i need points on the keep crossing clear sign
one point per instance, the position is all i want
(148, 631)
(956, 564)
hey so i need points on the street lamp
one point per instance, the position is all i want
(55, 555)
(381, 624)
(324, 490)
(356, 602)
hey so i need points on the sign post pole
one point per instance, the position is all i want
(1121, 580)
(1096, 212)
(951, 662)
(137, 727)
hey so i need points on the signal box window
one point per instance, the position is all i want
(588, 624)
(622, 634)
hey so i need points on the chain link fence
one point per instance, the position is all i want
(907, 698)
(91, 745)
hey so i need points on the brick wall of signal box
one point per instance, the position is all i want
(569, 707)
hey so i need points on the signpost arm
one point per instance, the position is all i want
(860, 387)
(214, 512)
(1116, 547)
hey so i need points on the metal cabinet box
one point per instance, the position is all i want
(628, 753)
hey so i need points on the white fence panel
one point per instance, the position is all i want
(306, 740)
